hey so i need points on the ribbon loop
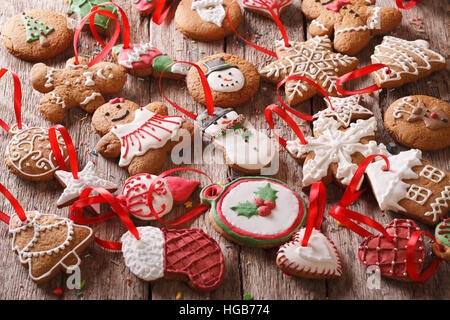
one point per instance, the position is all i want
(17, 100)
(317, 201)
(69, 146)
(411, 246)
(16, 205)
(409, 4)
(357, 74)
(160, 14)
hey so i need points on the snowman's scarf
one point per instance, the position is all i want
(236, 124)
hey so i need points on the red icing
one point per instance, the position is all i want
(194, 254)
(254, 235)
(337, 5)
(116, 100)
(146, 59)
(144, 5)
(400, 230)
(180, 188)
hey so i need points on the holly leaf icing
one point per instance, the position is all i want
(246, 208)
(267, 193)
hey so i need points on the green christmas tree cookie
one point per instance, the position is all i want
(34, 28)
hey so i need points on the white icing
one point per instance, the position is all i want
(405, 102)
(374, 21)
(87, 178)
(100, 74)
(388, 186)
(58, 100)
(312, 59)
(82, 66)
(409, 57)
(147, 131)
(210, 10)
(90, 98)
(134, 55)
(431, 173)
(179, 68)
(228, 80)
(280, 219)
(320, 25)
(49, 77)
(349, 29)
(418, 194)
(258, 6)
(439, 204)
(89, 81)
(335, 146)
(144, 257)
(27, 252)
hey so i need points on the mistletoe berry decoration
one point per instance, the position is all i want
(35, 29)
(262, 205)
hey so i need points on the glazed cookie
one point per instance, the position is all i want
(75, 85)
(407, 60)
(442, 235)
(413, 187)
(244, 148)
(205, 20)
(255, 211)
(352, 22)
(334, 153)
(144, 7)
(81, 8)
(312, 59)
(36, 35)
(233, 80)
(141, 59)
(141, 137)
(263, 6)
(188, 255)
(420, 122)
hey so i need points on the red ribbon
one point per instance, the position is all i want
(188, 215)
(285, 116)
(17, 100)
(317, 201)
(411, 267)
(159, 15)
(206, 90)
(69, 146)
(108, 46)
(357, 74)
(408, 5)
(16, 205)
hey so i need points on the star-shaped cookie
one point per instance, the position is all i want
(87, 178)
(312, 59)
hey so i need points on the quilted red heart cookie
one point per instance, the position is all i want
(390, 257)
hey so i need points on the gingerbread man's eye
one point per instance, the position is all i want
(107, 114)
(118, 106)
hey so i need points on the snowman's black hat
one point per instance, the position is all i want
(217, 65)
(205, 120)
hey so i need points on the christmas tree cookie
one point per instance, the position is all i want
(81, 8)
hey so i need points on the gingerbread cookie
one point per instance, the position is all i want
(75, 85)
(334, 153)
(352, 22)
(263, 7)
(233, 80)
(141, 137)
(407, 60)
(47, 244)
(36, 35)
(244, 148)
(142, 59)
(81, 8)
(205, 20)
(413, 187)
(442, 235)
(255, 211)
(144, 7)
(312, 59)
(188, 255)
(420, 122)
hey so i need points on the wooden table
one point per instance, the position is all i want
(248, 270)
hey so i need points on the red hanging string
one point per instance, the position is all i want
(360, 73)
(69, 146)
(411, 267)
(290, 122)
(317, 201)
(108, 46)
(16, 205)
(17, 100)
(408, 5)
(159, 15)
(206, 89)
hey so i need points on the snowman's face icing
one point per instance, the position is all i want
(221, 123)
(228, 80)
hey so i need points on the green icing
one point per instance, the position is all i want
(246, 240)
(442, 232)
(160, 62)
(117, 48)
(246, 208)
(34, 28)
(82, 7)
(267, 193)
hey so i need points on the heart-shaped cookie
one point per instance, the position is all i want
(318, 260)
(390, 257)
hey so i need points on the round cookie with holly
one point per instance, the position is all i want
(255, 211)
(442, 235)
(233, 80)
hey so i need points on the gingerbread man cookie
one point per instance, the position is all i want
(141, 137)
(354, 22)
(312, 59)
(75, 85)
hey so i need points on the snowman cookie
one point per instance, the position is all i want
(255, 211)
(141, 137)
(233, 80)
(244, 148)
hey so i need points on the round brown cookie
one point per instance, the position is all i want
(233, 80)
(205, 20)
(36, 35)
(420, 122)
